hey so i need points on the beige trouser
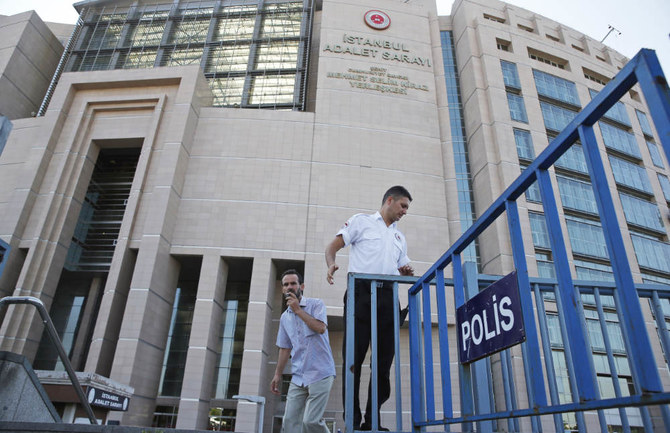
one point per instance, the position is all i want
(305, 406)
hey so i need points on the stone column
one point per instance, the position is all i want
(254, 378)
(196, 391)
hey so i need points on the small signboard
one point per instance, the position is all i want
(106, 399)
(490, 321)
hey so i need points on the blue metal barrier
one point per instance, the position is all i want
(476, 405)
(645, 70)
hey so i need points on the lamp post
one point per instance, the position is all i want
(259, 401)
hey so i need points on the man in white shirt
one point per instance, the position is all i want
(377, 247)
(303, 335)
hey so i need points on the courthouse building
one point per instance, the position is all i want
(163, 161)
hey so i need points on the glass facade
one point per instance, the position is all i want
(556, 88)
(179, 334)
(641, 213)
(655, 154)
(631, 175)
(617, 113)
(577, 195)
(517, 109)
(253, 53)
(510, 75)
(538, 227)
(524, 144)
(644, 123)
(651, 253)
(573, 159)
(466, 202)
(619, 139)
(665, 185)
(556, 118)
(586, 237)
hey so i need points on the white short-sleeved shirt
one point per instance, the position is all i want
(375, 247)
(311, 357)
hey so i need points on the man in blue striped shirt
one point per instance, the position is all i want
(303, 335)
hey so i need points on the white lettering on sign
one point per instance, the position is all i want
(479, 329)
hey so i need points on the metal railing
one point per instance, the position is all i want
(433, 405)
(53, 335)
(476, 400)
(645, 70)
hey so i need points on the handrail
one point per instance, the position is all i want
(53, 335)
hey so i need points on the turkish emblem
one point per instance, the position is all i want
(378, 20)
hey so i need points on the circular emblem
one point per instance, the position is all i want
(378, 20)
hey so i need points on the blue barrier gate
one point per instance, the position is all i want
(475, 399)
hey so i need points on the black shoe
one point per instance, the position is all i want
(367, 427)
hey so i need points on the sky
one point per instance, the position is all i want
(642, 23)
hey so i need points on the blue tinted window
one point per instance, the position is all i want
(641, 212)
(651, 253)
(524, 144)
(656, 157)
(617, 138)
(538, 227)
(573, 159)
(556, 88)
(586, 237)
(665, 185)
(617, 112)
(533, 193)
(517, 110)
(556, 118)
(644, 123)
(510, 74)
(591, 271)
(466, 201)
(577, 195)
(629, 174)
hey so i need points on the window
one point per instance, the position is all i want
(553, 38)
(586, 237)
(651, 253)
(524, 144)
(641, 212)
(665, 185)
(617, 113)
(545, 266)
(592, 271)
(556, 88)
(525, 28)
(547, 58)
(556, 118)
(655, 154)
(578, 48)
(577, 195)
(517, 109)
(595, 77)
(573, 159)
(538, 228)
(494, 19)
(503, 45)
(510, 75)
(618, 139)
(630, 175)
(146, 35)
(644, 123)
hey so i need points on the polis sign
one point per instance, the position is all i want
(490, 321)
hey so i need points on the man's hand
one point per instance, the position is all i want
(292, 302)
(331, 271)
(406, 270)
(275, 385)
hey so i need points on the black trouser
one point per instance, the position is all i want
(363, 340)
